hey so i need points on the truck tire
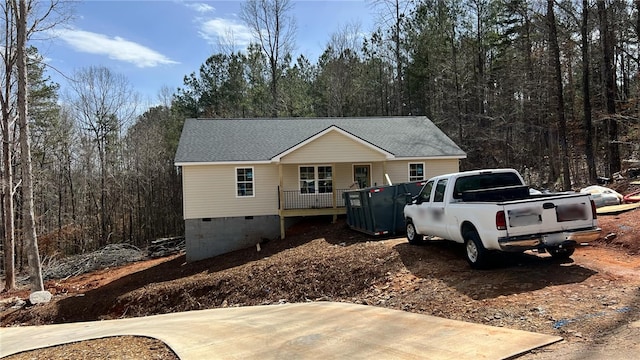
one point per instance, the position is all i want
(477, 255)
(412, 234)
(561, 253)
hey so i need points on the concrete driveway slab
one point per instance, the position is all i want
(319, 330)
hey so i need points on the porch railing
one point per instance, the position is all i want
(293, 199)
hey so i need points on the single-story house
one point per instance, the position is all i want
(246, 180)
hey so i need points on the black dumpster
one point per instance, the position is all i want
(378, 210)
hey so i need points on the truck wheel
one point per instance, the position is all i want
(561, 253)
(412, 235)
(477, 255)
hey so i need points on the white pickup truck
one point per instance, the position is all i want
(493, 210)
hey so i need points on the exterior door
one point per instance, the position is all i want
(362, 175)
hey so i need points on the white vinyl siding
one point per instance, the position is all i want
(398, 173)
(209, 191)
(397, 170)
(440, 167)
(333, 147)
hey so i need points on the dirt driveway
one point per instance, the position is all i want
(592, 301)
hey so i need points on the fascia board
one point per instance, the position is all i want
(200, 163)
(278, 157)
(446, 157)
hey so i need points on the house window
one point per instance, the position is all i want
(244, 182)
(416, 172)
(325, 182)
(316, 179)
(361, 175)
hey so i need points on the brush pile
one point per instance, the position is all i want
(110, 256)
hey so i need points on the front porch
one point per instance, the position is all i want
(316, 188)
(293, 203)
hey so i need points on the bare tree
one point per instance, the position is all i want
(608, 74)
(338, 68)
(21, 20)
(164, 96)
(586, 94)
(103, 103)
(226, 43)
(554, 60)
(31, 239)
(347, 38)
(274, 30)
(7, 124)
(481, 8)
(393, 16)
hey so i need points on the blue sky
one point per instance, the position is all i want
(155, 43)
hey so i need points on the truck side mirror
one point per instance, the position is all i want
(408, 199)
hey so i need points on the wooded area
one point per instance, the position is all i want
(549, 88)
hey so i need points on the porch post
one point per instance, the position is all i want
(281, 197)
(384, 172)
(334, 193)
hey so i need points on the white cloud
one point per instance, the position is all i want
(200, 7)
(229, 31)
(115, 48)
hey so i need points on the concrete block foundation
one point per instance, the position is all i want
(210, 237)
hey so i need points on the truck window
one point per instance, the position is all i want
(425, 193)
(440, 188)
(485, 181)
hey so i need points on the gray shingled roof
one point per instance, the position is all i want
(220, 140)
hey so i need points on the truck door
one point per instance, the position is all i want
(437, 210)
(423, 203)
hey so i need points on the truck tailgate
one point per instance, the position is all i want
(548, 214)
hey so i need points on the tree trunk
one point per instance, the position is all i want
(398, 55)
(7, 173)
(481, 56)
(586, 94)
(31, 240)
(7, 207)
(610, 90)
(637, 57)
(454, 61)
(562, 123)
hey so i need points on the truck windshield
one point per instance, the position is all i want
(485, 181)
